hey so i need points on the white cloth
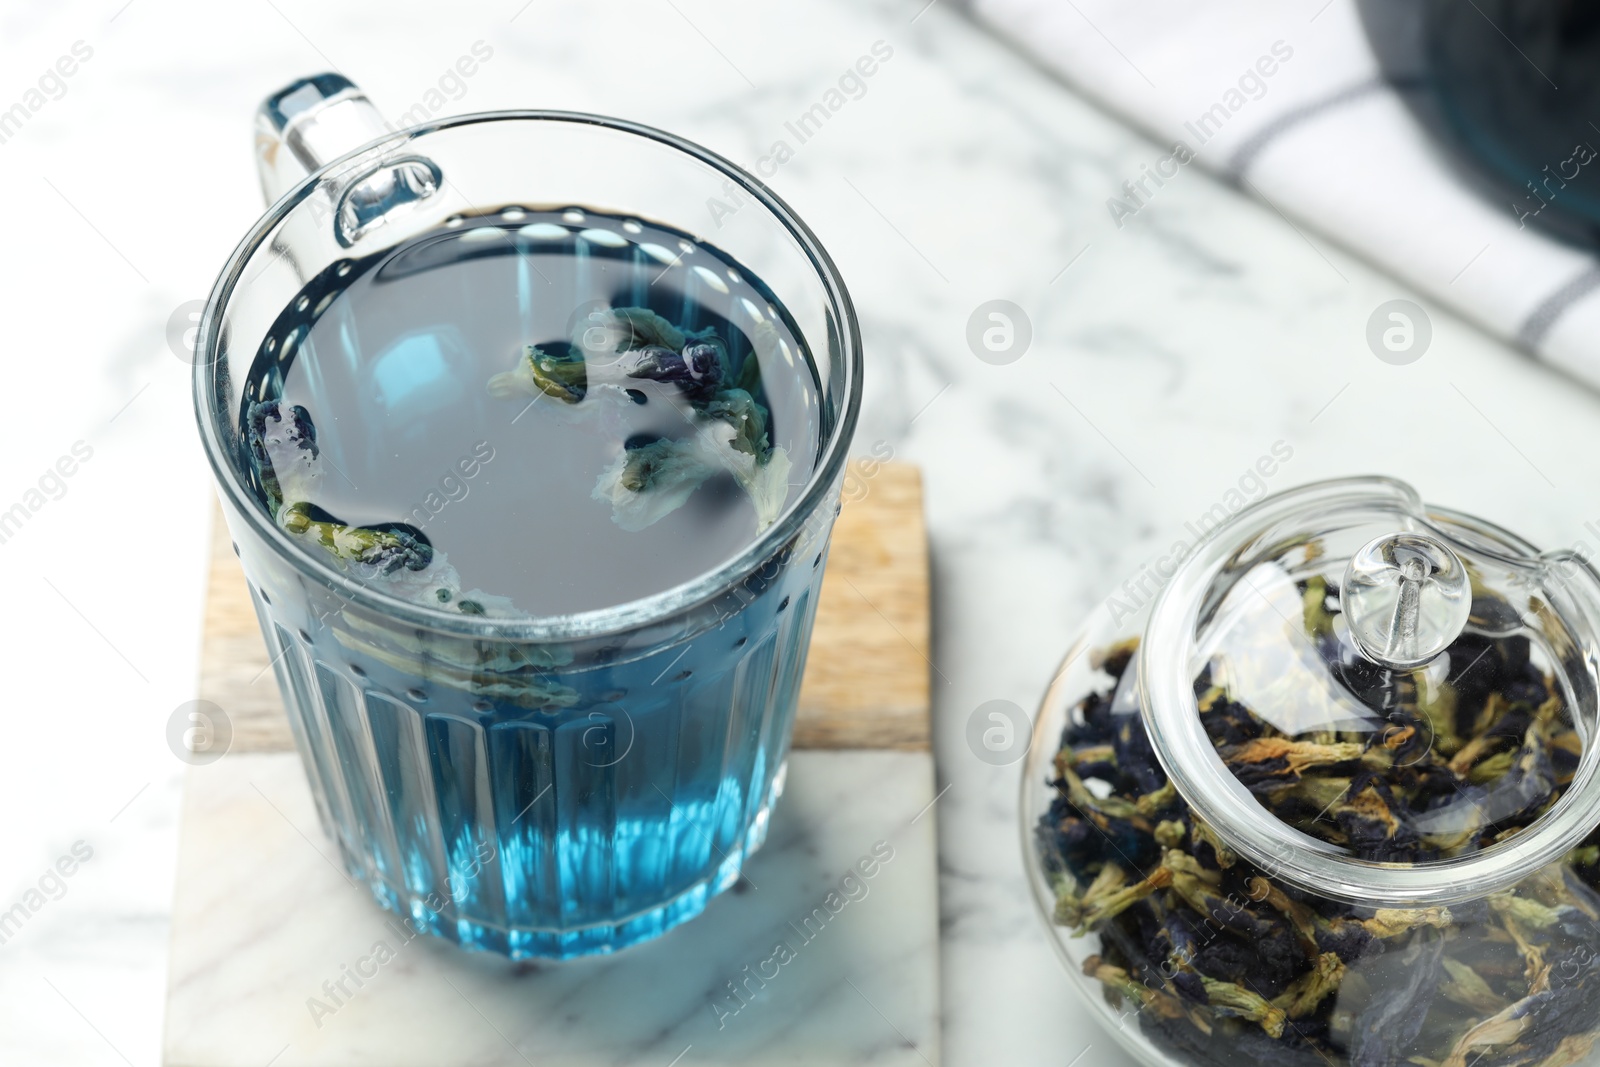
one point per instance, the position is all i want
(1325, 141)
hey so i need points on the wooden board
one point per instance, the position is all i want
(866, 680)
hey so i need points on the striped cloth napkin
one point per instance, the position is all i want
(1286, 101)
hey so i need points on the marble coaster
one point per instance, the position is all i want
(277, 959)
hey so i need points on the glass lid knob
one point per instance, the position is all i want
(1406, 597)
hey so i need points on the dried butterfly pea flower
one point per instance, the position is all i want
(550, 370)
(614, 346)
(1265, 762)
(1233, 1000)
(650, 480)
(283, 451)
(1467, 987)
(381, 549)
(1307, 992)
(1226, 966)
(739, 409)
(1118, 979)
(1386, 1029)
(1368, 817)
(697, 370)
(1110, 904)
(1136, 758)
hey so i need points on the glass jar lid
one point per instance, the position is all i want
(1380, 701)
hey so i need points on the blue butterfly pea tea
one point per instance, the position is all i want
(533, 414)
(1337, 803)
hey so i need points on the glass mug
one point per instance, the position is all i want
(462, 801)
(1508, 89)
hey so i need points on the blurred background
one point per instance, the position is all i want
(1210, 234)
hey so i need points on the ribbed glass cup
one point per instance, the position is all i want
(547, 787)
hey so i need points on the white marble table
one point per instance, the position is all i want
(1166, 357)
(807, 962)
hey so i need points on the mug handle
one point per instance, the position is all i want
(308, 123)
(315, 120)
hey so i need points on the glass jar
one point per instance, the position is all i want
(1331, 798)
